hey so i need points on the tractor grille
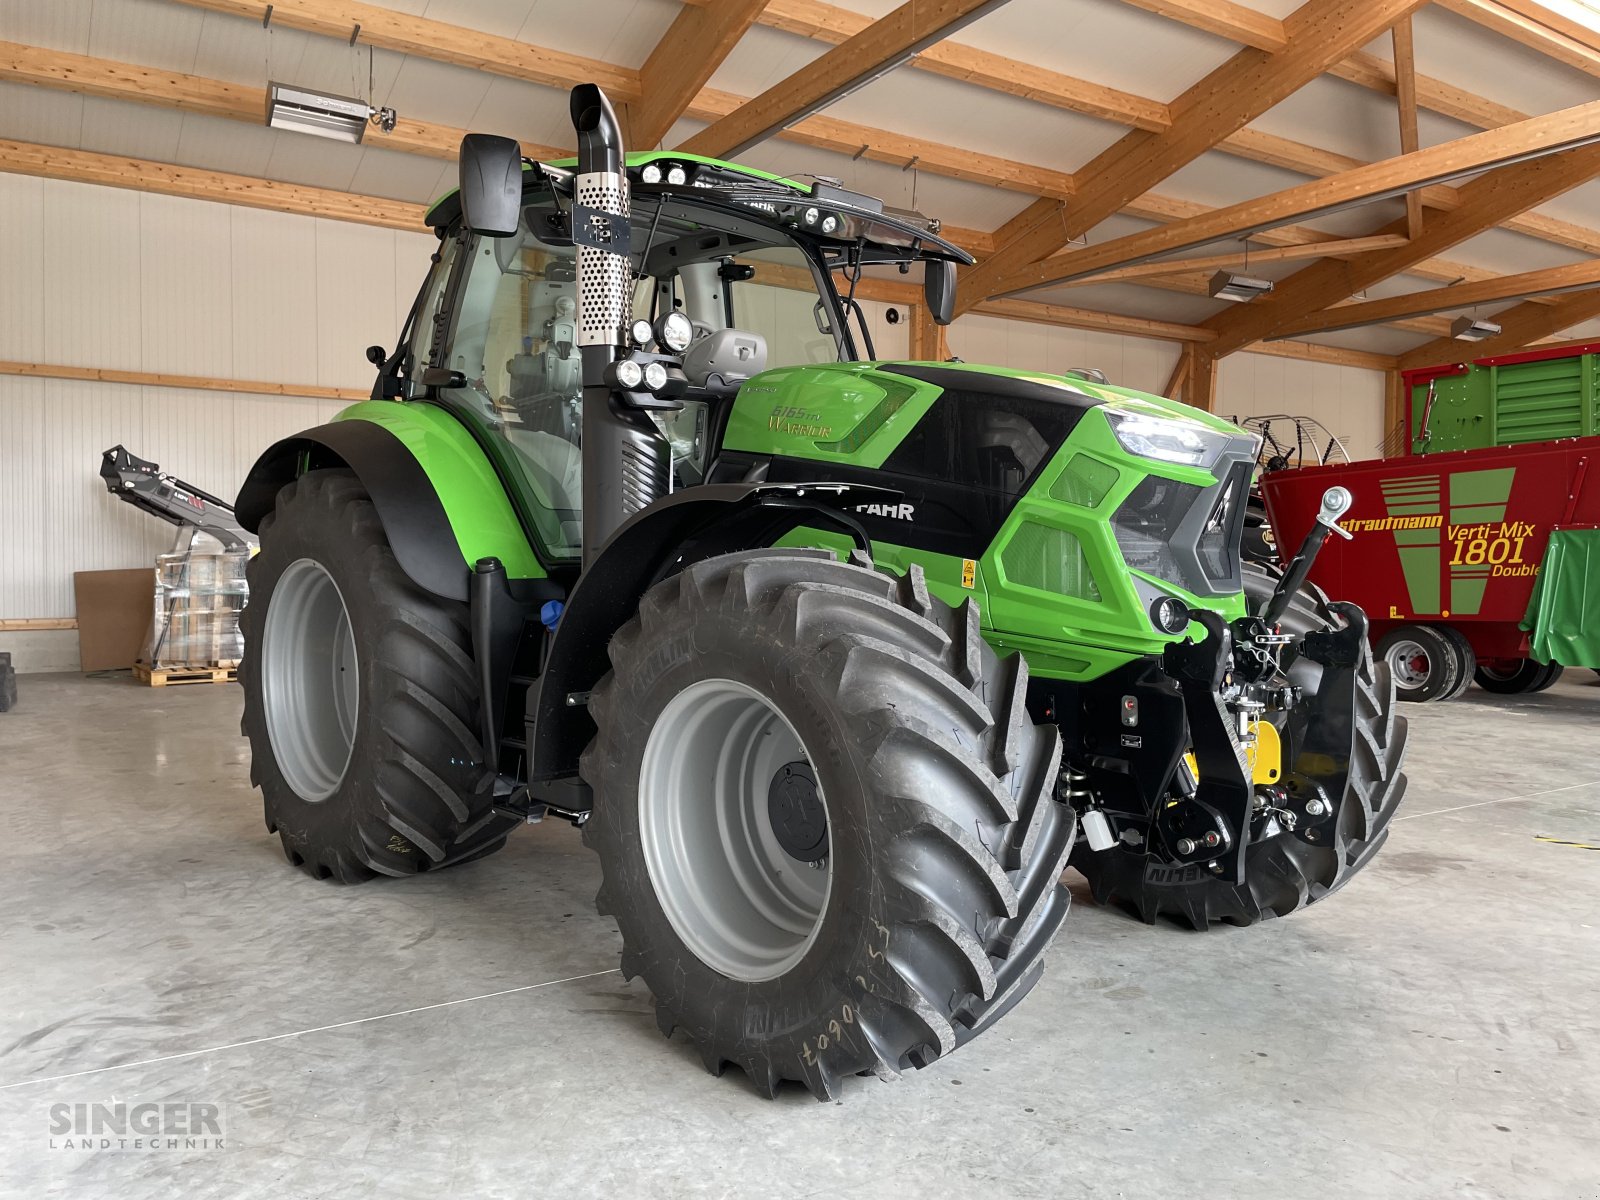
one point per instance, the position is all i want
(1185, 534)
(1050, 559)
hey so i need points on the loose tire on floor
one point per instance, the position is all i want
(1423, 662)
(1283, 874)
(1522, 679)
(412, 790)
(945, 843)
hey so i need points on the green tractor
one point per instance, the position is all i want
(829, 658)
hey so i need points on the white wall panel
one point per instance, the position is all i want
(1348, 400)
(23, 471)
(274, 302)
(91, 282)
(1127, 361)
(186, 286)
(21, 310)
(355, 300)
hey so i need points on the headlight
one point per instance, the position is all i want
(655, 376)
(676, 175)
(642, 333)
(674, 332)
(628, 374)
(1166, 439)
(651, 173)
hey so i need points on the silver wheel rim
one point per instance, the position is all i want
(310, 686)
(733, 895)
(1411, 665)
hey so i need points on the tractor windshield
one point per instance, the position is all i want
(756, 299)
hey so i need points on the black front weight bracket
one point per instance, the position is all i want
(1212, 827)
(1320, 773)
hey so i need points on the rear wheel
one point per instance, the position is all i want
(1423, 662)
(361, 699)
(1517, 677)
(1282, 872)
(827, 827)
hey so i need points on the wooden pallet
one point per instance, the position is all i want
(171, 676)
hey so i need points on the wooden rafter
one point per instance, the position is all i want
(388, 29)
(1521, 326)
(1486, 201)
(1342, 247)
(689, 53)
(201, 383)
(1548, 281)
(880, 47)
(1544, 32)
(1405, 74)
(937, 158)
(212, 97)
(822, 22)
(83, 166)
(438, 40)
(1223, 18)
(1567, 129)
(825, 22)
(1321, 32)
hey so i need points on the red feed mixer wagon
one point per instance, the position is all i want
(1476, 553)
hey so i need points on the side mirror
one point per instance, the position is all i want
(939, 289)
(491, 184)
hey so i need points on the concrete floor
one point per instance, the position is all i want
(1431, 1032)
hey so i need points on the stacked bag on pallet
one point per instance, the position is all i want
(198, 598)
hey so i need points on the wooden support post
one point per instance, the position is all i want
(1405, 79)
(928, 343)
(1179, 376)
(1394, 413)
(1200, 389)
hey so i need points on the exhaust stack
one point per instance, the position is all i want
(626, 460)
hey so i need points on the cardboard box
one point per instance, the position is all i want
(115, 609)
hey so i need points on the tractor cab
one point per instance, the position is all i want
(732, 273)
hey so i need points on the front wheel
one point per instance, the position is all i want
(360, 696)
(827, 827)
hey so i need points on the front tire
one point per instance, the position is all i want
(827, 827)
(361, 699)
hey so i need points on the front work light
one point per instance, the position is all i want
(674, 331)
(1166, 439)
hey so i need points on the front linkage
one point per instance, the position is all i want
(1193, 773)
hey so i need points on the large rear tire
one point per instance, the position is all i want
(1283, 874)
(827, 827)
(361, 699)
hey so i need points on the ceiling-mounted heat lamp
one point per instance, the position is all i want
(1470, 329)
(322, 114)
(1225, 285)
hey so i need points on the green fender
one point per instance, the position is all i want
(442, 506)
